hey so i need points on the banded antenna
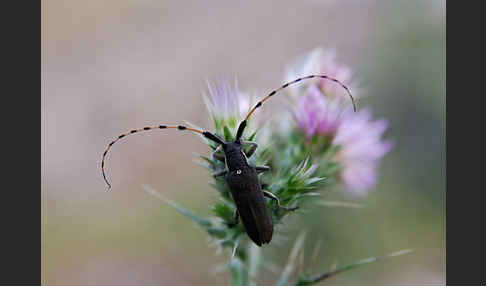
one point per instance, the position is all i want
(206, 134)
(242, 126)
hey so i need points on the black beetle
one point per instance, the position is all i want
(241, 177)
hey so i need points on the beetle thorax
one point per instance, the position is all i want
(235, 157)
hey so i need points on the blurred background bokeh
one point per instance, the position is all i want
(111, 66)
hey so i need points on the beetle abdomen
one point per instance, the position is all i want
(256, 218)
(250, 202)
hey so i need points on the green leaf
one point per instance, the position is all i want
(224, 211)
(205, 223)
(312, 181)
(217, 232)
(211, 162)
(338, 204)
(305, 280)
(252, 136)
(227, 134)
(216, 123)
(232, 122)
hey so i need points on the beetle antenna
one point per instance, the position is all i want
(206, 134)
(296, 81)
(243, 123)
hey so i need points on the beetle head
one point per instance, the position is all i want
(230, 147)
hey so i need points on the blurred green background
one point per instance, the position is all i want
(110, 66)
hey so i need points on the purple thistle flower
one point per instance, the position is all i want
(317, 114)
(321, 110)
(226, 101)
(228, 106)
(320, 61)
(361, 149)
(359, 138)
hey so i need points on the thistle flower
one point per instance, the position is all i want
(357, 135)
(227, 104)
(361, 149)
(321, 111)
(320, 61)
(317, 114)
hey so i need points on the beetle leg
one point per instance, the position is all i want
(273, 197)
(252, 149)
(261, 169)
(219, 173)
(236, 221)
(218, 155)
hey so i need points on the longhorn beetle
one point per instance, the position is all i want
(241, 178)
